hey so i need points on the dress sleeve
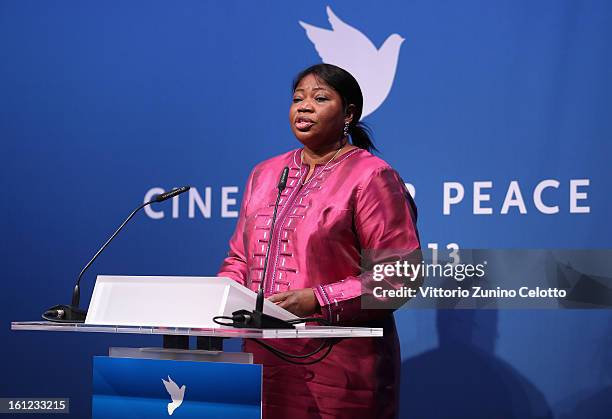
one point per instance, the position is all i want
(234, 266)
(384, 222)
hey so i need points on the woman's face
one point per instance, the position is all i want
(316, 115)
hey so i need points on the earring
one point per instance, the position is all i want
(346, 129)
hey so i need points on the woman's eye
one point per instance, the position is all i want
(321, 99)
(296, 99)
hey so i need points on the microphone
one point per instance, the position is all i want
(72, 313)
(171, 194)
(282, 183)
(257, 319)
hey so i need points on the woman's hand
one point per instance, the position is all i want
(301, 302)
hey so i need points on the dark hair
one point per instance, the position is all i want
(347, 87)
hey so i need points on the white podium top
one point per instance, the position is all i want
(227, 332)
(189, 301)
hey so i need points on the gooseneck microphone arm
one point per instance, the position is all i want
(282, 184)
(256, 319)
(73, 313)
(76, 293)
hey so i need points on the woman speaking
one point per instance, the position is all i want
(340, 201)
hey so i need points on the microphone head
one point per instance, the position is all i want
(170, 194)
(282, 183)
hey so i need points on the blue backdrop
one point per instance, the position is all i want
(100, 102)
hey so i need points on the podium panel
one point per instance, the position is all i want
(138, 382)
(128, 388)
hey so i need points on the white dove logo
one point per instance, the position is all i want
(350, 49)
(176, 394)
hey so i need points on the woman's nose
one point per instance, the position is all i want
(305, 106)
(305, 109)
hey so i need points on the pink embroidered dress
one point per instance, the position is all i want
(356, 203)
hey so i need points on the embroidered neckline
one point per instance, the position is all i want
(340, 159)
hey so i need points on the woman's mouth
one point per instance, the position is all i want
(303, 124)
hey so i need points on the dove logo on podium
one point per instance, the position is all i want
(176, 394)
(350, 49)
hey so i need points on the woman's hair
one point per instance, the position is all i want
(347, 87)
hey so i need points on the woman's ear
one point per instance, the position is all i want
(349, 114)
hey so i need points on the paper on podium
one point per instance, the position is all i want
(170, 301)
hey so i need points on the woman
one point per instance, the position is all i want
(340, 201)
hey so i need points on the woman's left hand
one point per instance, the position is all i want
(301, 302)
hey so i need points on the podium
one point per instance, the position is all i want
(173, 380)
(128, 382)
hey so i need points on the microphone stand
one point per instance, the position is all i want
(257, 319)
(63, 313)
